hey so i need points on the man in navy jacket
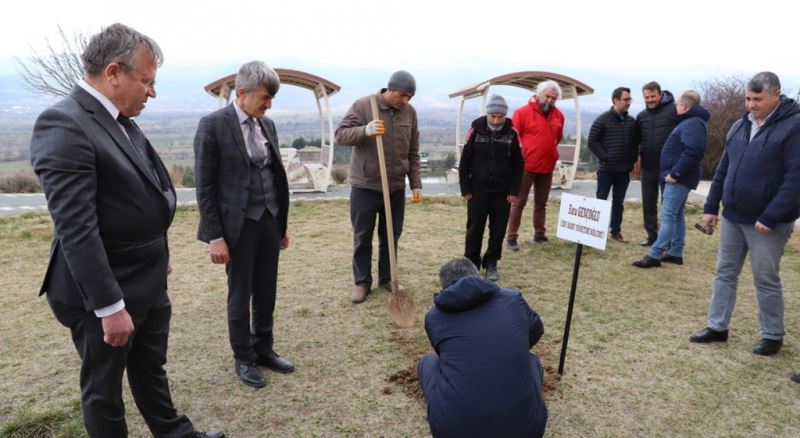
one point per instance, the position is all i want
(680, 173)
(757, 181)
(482, 379)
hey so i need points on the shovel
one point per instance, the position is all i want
(399, 303)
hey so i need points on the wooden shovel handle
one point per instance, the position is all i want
(387, 205)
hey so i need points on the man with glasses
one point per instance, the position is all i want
(243, 198)
(615, 140)
(112, 201)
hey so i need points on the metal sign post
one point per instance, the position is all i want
(584, 221)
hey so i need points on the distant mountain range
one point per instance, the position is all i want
(181, 96)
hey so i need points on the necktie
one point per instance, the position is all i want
(137, 139)
(258, 151)
(140, 145)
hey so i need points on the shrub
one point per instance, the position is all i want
(339, 174)
(20, 182)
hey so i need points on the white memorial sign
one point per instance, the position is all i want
(584, 220)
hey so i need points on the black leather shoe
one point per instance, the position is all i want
(209, 435)
(768, 347)
(491, 273)
(540, 239)
(672, 259)
(707, 335)
(512, 245)
(250, 375)
(648, 242)
(647, 262)
(796, 377)
(275, 363)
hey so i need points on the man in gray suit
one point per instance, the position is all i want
(243, 196)
(112, 201)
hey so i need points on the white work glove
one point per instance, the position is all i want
(374, 128)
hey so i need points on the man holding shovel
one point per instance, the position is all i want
(397, 124)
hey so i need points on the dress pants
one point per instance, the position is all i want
(102, 367)
(483, 205)
(766, 251)
(618, 181)
(253, 277)
(541, 183)
(651, 183)
(365, 207)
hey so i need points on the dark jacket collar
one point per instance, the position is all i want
(466, 293)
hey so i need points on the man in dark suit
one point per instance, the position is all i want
(112, 201)
(243, 196)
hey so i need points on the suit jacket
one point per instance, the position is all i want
(109, 212)
(222, 175)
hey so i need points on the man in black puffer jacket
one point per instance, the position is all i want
(655, 123)
(615, 140)
(489, 173)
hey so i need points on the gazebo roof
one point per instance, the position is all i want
(527, 80)
(288, 76)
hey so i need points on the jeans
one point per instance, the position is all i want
(766, 251)
(672, 234)
(619, 181)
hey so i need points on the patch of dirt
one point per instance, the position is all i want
(407, 380)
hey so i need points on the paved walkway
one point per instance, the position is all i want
(14, 204)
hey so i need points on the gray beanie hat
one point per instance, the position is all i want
(402, 80)
(496, 105)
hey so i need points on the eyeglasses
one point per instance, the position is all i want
(151, 84)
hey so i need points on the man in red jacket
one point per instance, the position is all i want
(540, 125)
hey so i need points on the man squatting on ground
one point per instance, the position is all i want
(482, 379)
(489, 173)
(655, 123)
(614, 140)
(398, 126)
(680, 173)
(758, 182)
(540, 126)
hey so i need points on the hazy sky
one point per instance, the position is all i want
(634, 37)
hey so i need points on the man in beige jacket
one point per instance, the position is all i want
(397, 124)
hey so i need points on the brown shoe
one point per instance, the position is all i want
(360, 294)
(618, 237)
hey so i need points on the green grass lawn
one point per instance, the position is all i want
(630, 369)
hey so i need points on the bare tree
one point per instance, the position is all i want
(55, 72)
(724, 98)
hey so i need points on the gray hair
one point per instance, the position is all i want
(690, 97)
(543, 86)
(256, 74)
(117, 43)
(764, 80)
(455, 269)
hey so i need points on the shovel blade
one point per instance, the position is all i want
(401, 307)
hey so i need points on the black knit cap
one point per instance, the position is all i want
(402, 80)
